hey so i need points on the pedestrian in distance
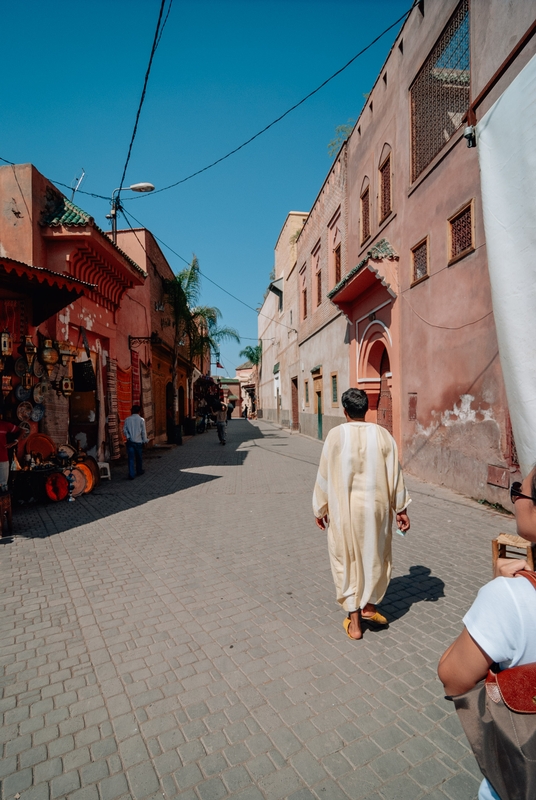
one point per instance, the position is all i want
(500, 633)
(8, 436)
(230, 409)
(221, 422)
(359, 489)
(136, 436)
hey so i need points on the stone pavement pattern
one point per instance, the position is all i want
(178, 637)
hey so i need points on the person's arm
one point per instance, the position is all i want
(320, 492)
(463, 665)
(509, 567)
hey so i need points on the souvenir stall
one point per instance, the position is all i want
(37, 382)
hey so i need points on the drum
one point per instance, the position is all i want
(79, 480)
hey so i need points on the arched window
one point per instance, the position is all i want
(365, 210)
(385, 182)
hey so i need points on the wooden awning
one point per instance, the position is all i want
(49, 291)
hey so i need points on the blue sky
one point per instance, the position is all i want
(73, 74)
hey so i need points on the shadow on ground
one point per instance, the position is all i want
(167, 471)
(405, 590)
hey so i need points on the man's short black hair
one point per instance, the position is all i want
(135, 409)
(355, 403)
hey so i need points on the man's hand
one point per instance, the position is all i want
(509, 567)
(402, 521)
(322, 522)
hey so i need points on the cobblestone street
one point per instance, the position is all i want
(178, 637)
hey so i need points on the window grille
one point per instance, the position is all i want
(420, 261)
(461, 233)
(304, 299)
(334, 394)
(319, 287)
(365, 215)
(385, 189)
(440, 93)
(307, 393)
(338, 264)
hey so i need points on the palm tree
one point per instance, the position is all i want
(253, 353)
(196, 326)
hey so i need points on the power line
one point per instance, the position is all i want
(164, 24)
(142, 98)
(59, 183)
(286, 113)
(259, 313)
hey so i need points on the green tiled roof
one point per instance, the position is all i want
(65, 213)
(379, 251)
(60, 211)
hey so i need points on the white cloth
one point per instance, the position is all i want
(506, 139)
(502, 620)
(134, 429)
(360, 486)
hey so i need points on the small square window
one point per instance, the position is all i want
(419, 257)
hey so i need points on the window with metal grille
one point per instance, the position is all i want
(420, 260)
(304, 303)
(385, 189)
(338, 274)
(319, 287)
(334, 393)
(306, 393)
(461, 233)
(365, 215)
(440, 93)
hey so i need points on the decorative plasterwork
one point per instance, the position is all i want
(380, 251)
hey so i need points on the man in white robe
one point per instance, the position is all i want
(359, 489)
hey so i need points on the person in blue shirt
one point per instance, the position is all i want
(136, 436)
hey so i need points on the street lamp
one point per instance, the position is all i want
(116, 202)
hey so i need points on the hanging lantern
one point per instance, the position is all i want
(49, 356)
(29, 351)
(67, 352)
(6, 385)
(67, 386)
(6, 344)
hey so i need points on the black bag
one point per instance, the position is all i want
(498, 716)
(84, 377)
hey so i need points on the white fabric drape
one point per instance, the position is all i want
(506, 139)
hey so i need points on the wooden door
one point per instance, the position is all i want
(295, 405)
(385, 406)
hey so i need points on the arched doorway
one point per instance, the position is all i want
(181, 405)
(375, 375)
(385, 402)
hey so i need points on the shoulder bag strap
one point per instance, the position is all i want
(530, 576)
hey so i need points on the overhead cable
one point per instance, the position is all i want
(156, 40)
(259, 313)
(286, 113)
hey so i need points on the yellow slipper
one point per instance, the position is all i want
(376, 618)
(346, 626)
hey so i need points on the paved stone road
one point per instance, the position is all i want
(178, 637)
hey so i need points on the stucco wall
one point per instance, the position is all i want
(444, 353)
